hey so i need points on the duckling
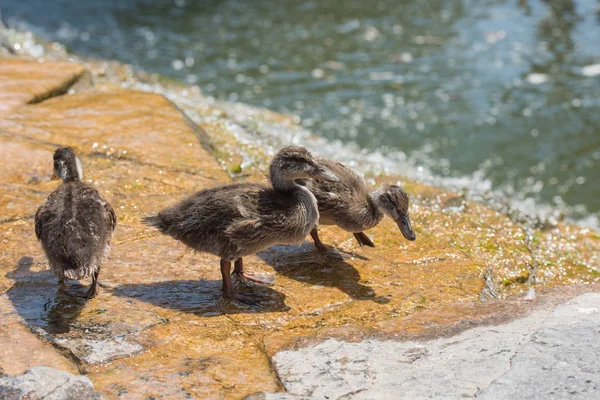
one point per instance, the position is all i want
(348, 204)
(75, 224)
(240, 219)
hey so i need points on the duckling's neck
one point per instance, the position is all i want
(71, 180)
(374, 211)
(309, 216)
(67, 178)
(69, 171)
(280, 182)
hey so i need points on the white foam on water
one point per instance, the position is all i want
(591, 70)
(250, 127)
(414, 166)
(536, 79)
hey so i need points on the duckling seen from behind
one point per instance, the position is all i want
(75, 224)
(349, 204)
(237, 220)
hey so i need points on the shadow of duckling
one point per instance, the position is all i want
(40, 301)
(202, 297)
(304, 265)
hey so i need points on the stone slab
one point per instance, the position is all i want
(49, 384)
(548, 354)
(26, 81)
(561, 358)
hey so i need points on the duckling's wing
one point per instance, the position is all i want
(110, 216)
(39, 226)
(352, 181)
(243, 230)
(45, 213)
(246, 221)
(263, 217)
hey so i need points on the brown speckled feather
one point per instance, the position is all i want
(346, 203)
(75, 226)
(239, 219)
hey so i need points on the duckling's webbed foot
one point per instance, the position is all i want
(93, 290)
(239, 273)
(363, 239)
(242, 298)
(318, 244)
(228, 290)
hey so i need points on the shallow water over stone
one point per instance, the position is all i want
(160, 327)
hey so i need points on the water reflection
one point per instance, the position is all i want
(203, 297)
(40, 301)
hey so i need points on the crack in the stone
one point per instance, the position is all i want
(527, 340)
(29, 138)
(9, 220)
(272, 368)
(57, 91)
(58, 386)
(348, 396)
(136, 161)
(108, 156)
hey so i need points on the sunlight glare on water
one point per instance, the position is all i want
(505, 92)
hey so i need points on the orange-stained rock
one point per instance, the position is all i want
(26, 81)
(159, 326)
(143, 127)
(22, 350)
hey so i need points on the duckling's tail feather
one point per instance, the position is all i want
(160, 221)
(152, 220)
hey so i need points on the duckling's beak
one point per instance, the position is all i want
(324, 174)
(54, 177)
(404, 225)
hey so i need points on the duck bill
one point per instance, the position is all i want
(54, 177)
(404, 225)
(324, 174)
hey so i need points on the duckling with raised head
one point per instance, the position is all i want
(237, 220)
(349, 204)
(75, 224)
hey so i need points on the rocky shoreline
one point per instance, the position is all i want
(159, 326)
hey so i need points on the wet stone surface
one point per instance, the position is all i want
(26, 81)
(159, 326)
(59, 315)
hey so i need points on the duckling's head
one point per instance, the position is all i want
(66, 165)
(295, 162)
(393, 201)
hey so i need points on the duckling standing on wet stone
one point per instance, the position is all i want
(237, 220)
(75, 224)
(348, 204)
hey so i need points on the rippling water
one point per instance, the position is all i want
(505, 91)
